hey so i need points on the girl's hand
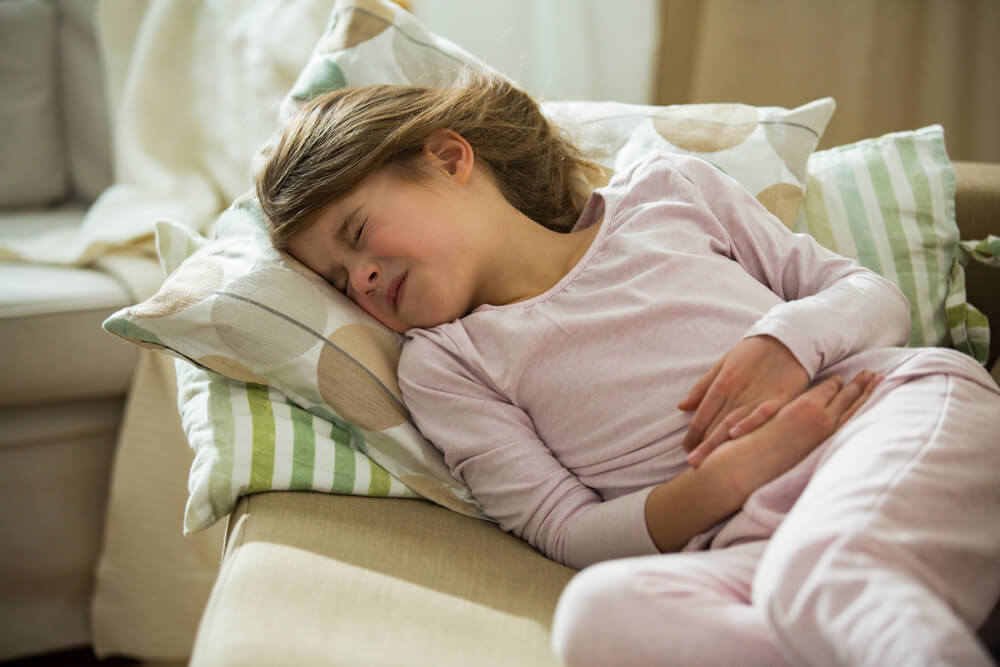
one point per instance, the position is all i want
(795, 431)
(740, 393)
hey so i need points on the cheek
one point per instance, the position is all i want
(366, 306)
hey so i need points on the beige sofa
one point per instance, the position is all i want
(63, 383)
(304, 578)
(312, 579)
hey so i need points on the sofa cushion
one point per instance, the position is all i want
(50, 320)
(86, 128)
(388, 582)
(977, 209)
(53, 345)
(55, 460)
(32, 160)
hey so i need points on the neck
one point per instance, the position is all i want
(532, 259)
(523, 259)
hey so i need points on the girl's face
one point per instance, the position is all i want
(401, 250)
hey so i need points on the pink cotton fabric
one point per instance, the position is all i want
(880, 548)
(560, 412)
(888, 558)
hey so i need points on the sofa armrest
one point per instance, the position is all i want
(312, 578)
(977, 209)
(977, 198)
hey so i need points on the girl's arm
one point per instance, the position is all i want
(701, 497)
(491, 445)
(833, 308)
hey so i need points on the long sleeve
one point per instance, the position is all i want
(833, 307)
(492, 446)
(558, 411)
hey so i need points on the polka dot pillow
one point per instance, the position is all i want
(240, 309)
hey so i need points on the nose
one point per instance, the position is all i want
(364, 275)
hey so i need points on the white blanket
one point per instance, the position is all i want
(194, 90)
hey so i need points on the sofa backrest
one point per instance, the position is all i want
(54, 129)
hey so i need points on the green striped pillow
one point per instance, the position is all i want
(889, 202)
(976, 329)
(249, 438)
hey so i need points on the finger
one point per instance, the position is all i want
(825, 391)
(870, 386)
(849, 393)
(710, 409)
(718, 436)
(757, 418)
(700, 388)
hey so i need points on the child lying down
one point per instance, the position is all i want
(662, 385)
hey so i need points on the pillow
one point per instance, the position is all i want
(765, 149)
(248, 438)
(239, 308)
(889, 202)
(242, 309)
(975, 339)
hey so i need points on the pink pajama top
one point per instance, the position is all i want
(559, 412)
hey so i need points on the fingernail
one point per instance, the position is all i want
(735, 431)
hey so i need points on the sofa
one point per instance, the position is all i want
(63, 385)
(94, 491)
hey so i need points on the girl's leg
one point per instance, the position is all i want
(676, 609)
(892, 554)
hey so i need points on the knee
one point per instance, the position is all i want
(824, 575)
(584, 614)
(786, 579)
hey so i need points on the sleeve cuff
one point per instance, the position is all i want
(613, 529)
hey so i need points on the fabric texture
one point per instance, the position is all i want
(329, 575)
(33, 170)
(151, 583)
(193, 92)
(86, 125)
(240, 309)
(890, 203)
(248, 438)
(764, 148)
(688, 263)
(887, 515)
(55, 460)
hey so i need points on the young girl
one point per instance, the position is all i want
(657, 368)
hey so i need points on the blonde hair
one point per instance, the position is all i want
(341, 137)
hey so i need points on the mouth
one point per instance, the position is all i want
(396, 290)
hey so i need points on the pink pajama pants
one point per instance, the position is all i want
(889, 556)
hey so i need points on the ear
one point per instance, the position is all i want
(450, 151)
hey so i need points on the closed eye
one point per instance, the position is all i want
(359, 232)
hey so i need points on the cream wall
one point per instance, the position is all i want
(557, 49)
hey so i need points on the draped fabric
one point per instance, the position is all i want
(890, 64)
